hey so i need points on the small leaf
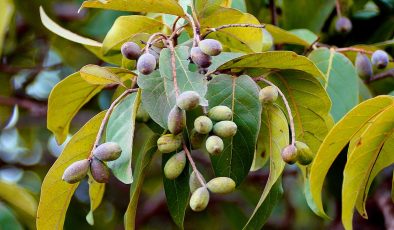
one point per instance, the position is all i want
(96, 193)
(55, 193)
(97, 75)
(65, 100)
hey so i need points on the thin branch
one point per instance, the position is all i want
(194, 167)
(173, 66)
(34, 107)
(353, 49)
(175, 22)
(196, 31)
(382, 75)
(274, 15)
(211, 30)
(338, 8)
(150, 40)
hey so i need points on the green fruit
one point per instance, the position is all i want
(196, 139)
(142, 115)
(146, 64)
(214, 145)
(221, 185)
(380, 59)
(194, 183)
(99, 171)
(188, 100)
(305, 155)
(199, 58)
(169, 143)
(220, 113)
(268, 94)
(175, 165)
(203, 124)
(225, 129)
(199, 199)
(130, 50)
(289, 154)
(210, 47)
(76, 171)
(343, 25)
(176, 120)
(363, 66)
(108, 151)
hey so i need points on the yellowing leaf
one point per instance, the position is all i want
(65, 100)
(157, 6)
(97, 75)
(55, 193)
(281, 36)
(96, 193)
(6, 12)
(19, 198)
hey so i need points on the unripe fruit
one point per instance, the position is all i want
(194, 183)
(76, 171)
(199, 199)
(176, 120)
(221, 185)
(225, 129)
(203, 124)
(175, 165)
(108, 151)
(268, 94)
(363, 66)
(343, 25)
(142, 115)
(289, 154)
(220, 113)
(146, 64)
(169, 143)
(214, 145)
(199, 58)
(130, 50)
(380, 59)
(188, 100)
(210, 47)
(196, 139)
(305, 155)
(99, 170)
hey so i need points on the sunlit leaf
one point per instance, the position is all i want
(96, 193)
(6, 12)
(97, 75)
(281, 36)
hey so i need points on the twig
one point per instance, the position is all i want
(195, 170)
(36, 108)
(211, 30)
(338, 8)
(274, 16)
(387, 73)
(150, 40)
(175, 22)
(196, 32)
(292, 129)
(173, 66)
(353, 49)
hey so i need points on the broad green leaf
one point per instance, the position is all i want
(120, 129)
(97, 75)
(147, 147)
(261, 214)
(114, 59)
(158, 92)
(65, 100)
(275, 60)
(177, 193)
(241, 95)
(8, 219)
(6, 11)
(306, 35)
(341, 80)
(239, 5)
(158, 6)
(281, 36)
(96, 193)
(237, 38)
(338, 138)
(276, 132)
(371, 154)
(222, 58)
(309, 103)
(60, 31)
(55, 193)
(18, 198)
(126, 27)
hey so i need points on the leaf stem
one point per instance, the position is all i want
(150, 40)
(211, 30)
(173, 66)
(193, 164)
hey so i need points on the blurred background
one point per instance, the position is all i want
(33, 60)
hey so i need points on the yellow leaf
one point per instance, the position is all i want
(97, 75)
(96, 193)
(18, 198)
(6, 12)
(281, 36)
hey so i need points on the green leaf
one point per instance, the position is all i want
(264, 210)
(162, 6)
(96, 193)
(341, 80)
(158, 92)
(60, 31)
(338, 138)
(206, 7)
(241, 95)
(6, 11)
(276, 132)
(177, 193)
(282, 36)
(97, 75)
(55, 193)
(275, 60)
(120, 129)
(306, 35)
(222, 58)
(65, 100)
(8, 219)
(125, 27)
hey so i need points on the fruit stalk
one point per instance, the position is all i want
(189, 157)
(338, 8)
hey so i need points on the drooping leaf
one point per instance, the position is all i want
(241, 95)
(162, 6)
(341, 80)
(283, 60)
(55, 193)
(120, 129)
(281, 36)
(6, 11)
(65, 100)
(338, 138)
(96, 193)
(97, 75)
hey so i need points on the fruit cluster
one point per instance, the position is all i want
(364, 65)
